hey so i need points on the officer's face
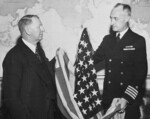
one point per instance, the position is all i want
(119, 19)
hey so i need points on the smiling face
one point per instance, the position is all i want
(119, 19)
(36, 30)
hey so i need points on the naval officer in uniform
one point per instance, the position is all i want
(125, 58)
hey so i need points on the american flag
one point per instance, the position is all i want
(87, 94)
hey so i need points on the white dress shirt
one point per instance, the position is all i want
(31, 46)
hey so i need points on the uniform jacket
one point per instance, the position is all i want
(28, 85)
(125, 66)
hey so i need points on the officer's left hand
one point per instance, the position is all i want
(123, 103)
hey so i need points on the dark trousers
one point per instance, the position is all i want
(54, 112)
(132, 112)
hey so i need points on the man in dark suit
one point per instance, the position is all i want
(28, 85)
(125, 63)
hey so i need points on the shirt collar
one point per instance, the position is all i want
(122, 33)
(31, 46)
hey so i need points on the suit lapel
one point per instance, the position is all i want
(29, 55)
(34, 62)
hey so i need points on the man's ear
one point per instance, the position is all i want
(128, 18)
(28, 30)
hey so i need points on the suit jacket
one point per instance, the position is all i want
(125, 66)
(28, 86)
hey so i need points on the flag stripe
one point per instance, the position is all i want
(64, 94)
(65, 91)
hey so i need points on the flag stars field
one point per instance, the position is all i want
(86, 86)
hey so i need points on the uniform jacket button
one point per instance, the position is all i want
(109, 71)
(121, 83)
(109, 82)
(121, 73)
(110, 60)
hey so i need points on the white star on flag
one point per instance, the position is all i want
(84, 57)
(75, 95)
(98, 102)
(91, 83)
(85, 45)
(91, 62)
(94, 92)
(84, 111)
(90, 107)
(81, 90)
(79, 103)
(88, 53)
(86, 99)
(79, 82)
(87, 86)
(88, 74)
(93, 71)
(80, 63)
(77, 69)
(84, 78)
(85, 66)
(82, 42)
(80, 51)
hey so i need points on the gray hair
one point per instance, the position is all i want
(126, 7)
(25, 20)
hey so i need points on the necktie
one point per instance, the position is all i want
(37, 53)
(118, 38)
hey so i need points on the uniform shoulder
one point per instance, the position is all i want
(136, 35)
(139, 40)
(108, 37)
